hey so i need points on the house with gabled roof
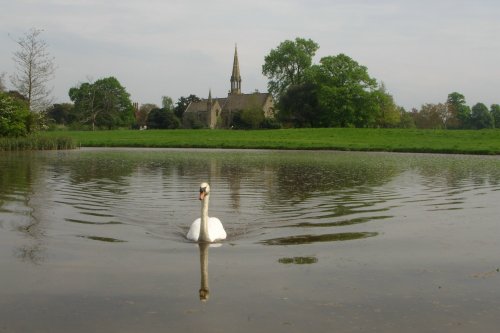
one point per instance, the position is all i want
(220, 112)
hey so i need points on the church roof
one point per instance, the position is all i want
(233, 102)
(197, 106)
(201, 106)
(244, 101)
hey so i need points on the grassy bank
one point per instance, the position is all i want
(398, 140)
(38, 142)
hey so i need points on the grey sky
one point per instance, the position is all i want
(422, 50)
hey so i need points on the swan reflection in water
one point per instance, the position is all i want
(204, 290)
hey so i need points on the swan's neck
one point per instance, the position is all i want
(204, 220)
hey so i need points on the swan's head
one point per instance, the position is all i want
(204, 190)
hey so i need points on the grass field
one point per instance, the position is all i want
(397, 140)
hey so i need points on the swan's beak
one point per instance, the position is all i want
(202, 195)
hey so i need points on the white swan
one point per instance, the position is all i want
(206, 229)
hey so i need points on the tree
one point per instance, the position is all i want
(407, 120)
(2, 84)
(495, 113)
(481, 117)
(104, 103)
(14, 116)
(458, 114)
(142, 114)
(345, 92)
(286, 65)
(252, 118)
(300, 106)
(183, 103)
(62, 113)
(162, 119)
(167, 103)
(430, 116)
(388, 114)
(35, 68)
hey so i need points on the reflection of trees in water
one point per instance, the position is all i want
(305, 178)
(20, 172)
(16, 172)
(285, 175)
(453, 171)
(34, 250)
(85, 168)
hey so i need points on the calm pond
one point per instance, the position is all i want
(93, 240)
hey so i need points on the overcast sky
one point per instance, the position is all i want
(422, 50)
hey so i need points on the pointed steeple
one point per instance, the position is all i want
(209, 100)
(235, 76)
(210, 115)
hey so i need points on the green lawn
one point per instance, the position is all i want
(400, 140)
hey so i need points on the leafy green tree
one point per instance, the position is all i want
(252, 118)
(459, 113)
(190, 120)
(183, 103)
(104, 103)
(406, 120)
(286, 65)
(162, 119)
(300, 106)
(495, 113)
(387, 112)
(62, 113)
(430, 116)
(345, 92)
(481, 117)
(167, 103)
(14, 116)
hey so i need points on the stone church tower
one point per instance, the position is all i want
(235, 76)
(221, 112)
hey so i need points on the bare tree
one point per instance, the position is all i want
(35, 68)
(2, 85)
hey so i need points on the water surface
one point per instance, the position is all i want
(93, 241)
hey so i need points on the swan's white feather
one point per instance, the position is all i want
(215, 230)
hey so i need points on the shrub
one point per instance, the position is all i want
(15, 116)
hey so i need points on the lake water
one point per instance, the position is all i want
(93, 240)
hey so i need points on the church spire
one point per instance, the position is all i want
(235, 76)
(209, 100)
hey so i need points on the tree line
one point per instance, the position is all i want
(336, 92)
(339, 92)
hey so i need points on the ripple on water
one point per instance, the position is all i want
(91, 222)
(298, 260)
(104, 239)
(340, 223)
(308, 239)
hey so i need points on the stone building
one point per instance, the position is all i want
(220, 112)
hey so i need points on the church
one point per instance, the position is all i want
(220, 112)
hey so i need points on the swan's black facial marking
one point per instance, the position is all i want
(203, 193)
